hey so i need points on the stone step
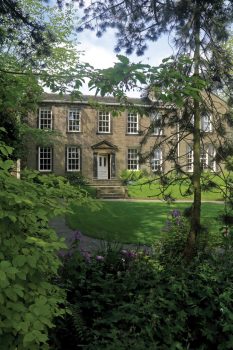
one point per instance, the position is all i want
(111, 192)
(111, 182)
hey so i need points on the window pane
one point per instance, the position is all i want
(73, 159)
(206, 123)
(204, 159)
(45, 158)
(45, 118)
(133, 161)
(104, 122)
(156, 120)
(132, 124)
(190, 158)
(156, 162)
(74, 120)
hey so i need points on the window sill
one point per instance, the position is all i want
(131, 134)
(46, 129)
(74, 132)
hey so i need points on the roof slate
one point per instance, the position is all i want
(51, 97)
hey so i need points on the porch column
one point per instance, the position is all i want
(113, 165)
(95, 165)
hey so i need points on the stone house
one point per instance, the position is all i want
(101, 146)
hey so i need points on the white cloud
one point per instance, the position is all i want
(99, 52)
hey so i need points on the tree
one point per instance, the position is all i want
(199, 29)
(35, 52)
(15, 19)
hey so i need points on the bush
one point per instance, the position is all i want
(130, 176)
(77, 179)
(129, 299)
(29, 297)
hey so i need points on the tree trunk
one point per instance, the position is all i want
(196, 179)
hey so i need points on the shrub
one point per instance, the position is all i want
(29, 297)
(77, 179)
(123, 299)
(130, 176)
(174, 237)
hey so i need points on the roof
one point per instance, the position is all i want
(86, 99)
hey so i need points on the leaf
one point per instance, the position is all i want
(123, 59)
(6, 165)
(19, 260)
(28, 338)
(2, 276)
(10, 293)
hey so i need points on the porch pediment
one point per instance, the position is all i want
(104, 145)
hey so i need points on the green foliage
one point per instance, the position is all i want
(123, 76)
(29, 298)
(35, 51)
(76, 179)
(168, 82)
(130, 299)
(130, 176)
(172, 243)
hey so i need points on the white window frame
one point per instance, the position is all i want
(132, 124)
(204, 159)
(73, 154)
(206, 123)
(74, 120)
(157, 160)
(157, 131)
(213, 165)
(41, 159)
(190, 159)
(133, 159)
(45, 114)
(104, 123)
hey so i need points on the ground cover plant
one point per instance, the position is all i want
(134, 222)
(121, 299)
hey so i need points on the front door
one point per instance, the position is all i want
(103, 166)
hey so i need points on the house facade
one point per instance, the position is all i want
(100, 146)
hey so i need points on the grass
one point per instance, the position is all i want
(133, 222)
(145, 190)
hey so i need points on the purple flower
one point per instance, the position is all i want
(128, 254)
(87, 256)
(99, 258)
(176, 213)
(132, 254)
(75, 236)
(78, 236)
(64, 253)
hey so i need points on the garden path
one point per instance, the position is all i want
(88, 244)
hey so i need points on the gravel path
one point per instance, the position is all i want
(88, 244)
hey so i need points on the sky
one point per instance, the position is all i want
(99, 52)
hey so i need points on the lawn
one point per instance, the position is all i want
(133, 222)
(141, 189)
